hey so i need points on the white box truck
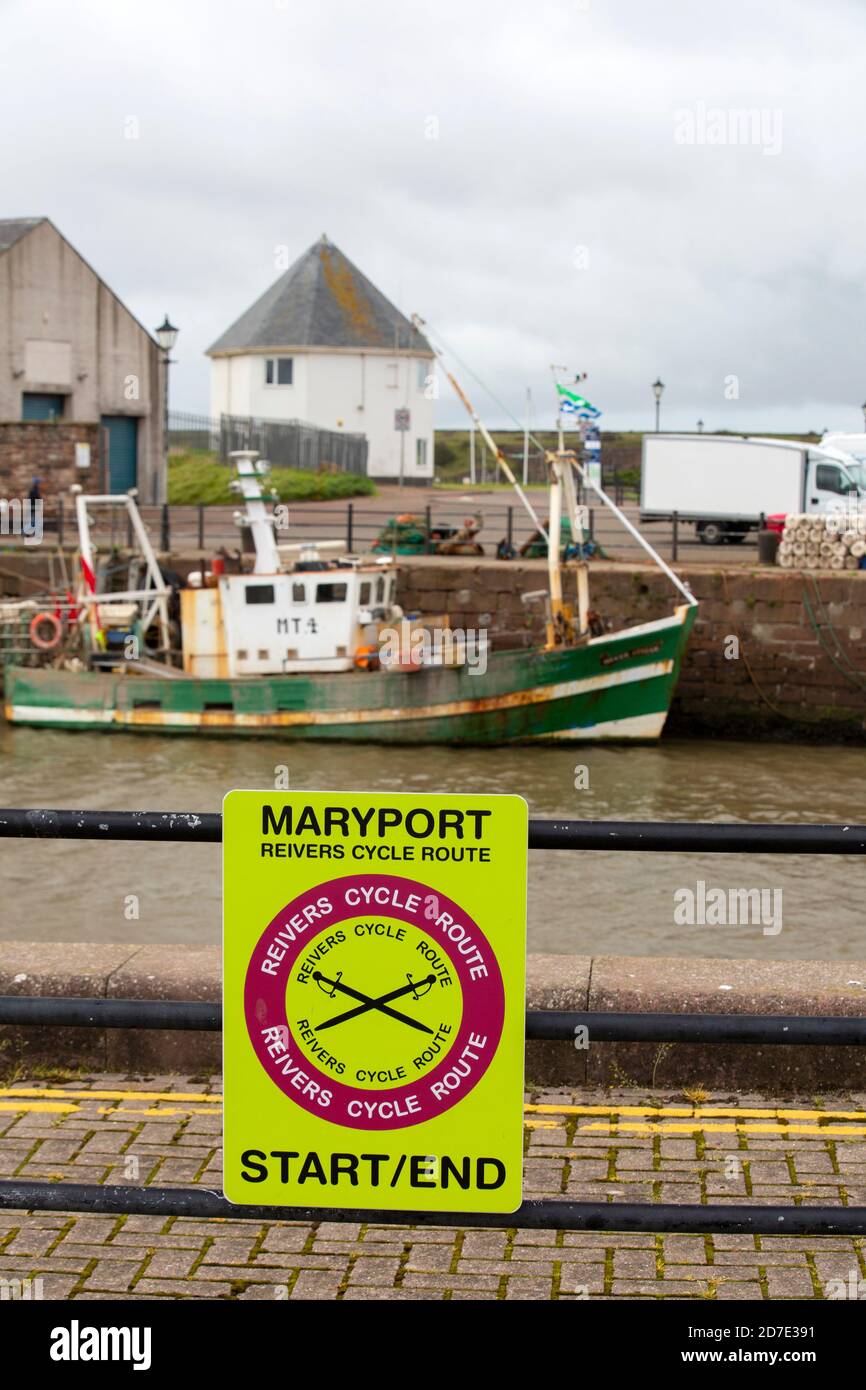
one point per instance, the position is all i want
(725, 483)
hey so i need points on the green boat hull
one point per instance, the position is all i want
(618, 686)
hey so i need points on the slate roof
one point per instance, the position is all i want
(322, 300)
(12, 229)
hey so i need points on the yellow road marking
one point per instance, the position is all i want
(671, 1111)
(51, 1107)
(31, 1107)
(62, 1092)
(782, 1131)
(698, 1111)
(153, 1110)
(645, 1119)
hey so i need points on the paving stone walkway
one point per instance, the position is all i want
(622, 1146)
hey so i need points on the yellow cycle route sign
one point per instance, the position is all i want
(374, 950)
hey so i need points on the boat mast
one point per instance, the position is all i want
(581, 568)
(563, 484)
(559, 620)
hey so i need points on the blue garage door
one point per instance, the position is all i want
(36, 406)
(121, 435)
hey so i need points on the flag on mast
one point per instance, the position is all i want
(570, 403)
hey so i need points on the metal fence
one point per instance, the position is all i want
(506, 529)
(284, 443)
(186, 529)
(549, 1025)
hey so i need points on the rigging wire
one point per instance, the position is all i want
(484, 387)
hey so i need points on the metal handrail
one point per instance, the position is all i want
(669, 837)
(542, 1214)
(542, 1025)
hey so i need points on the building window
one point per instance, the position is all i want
(364, 596)
(259, 593)
(421, 453)
(424, 370)
(331, 593)
(299, 593)
(391, 374)
(278, 371)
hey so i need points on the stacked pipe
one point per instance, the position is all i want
(828, 542)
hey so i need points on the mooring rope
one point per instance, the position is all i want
(857, 678)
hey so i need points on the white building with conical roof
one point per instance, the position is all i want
(324, 346)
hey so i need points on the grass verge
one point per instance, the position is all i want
(200, 477)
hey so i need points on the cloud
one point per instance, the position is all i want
(555, 216)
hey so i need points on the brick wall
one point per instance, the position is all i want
(755, 664)
(46, 449)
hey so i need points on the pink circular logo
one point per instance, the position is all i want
(315, 947)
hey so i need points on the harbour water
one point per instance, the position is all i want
(584, 903)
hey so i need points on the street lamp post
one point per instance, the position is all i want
(658, 387)
(166, 336)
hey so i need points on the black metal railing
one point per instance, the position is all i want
(189, 529)
(665, 837)
(546, 1025)
(542, 1025)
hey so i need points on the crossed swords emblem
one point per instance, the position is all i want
(417, 989)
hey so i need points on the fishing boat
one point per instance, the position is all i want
(306, 645)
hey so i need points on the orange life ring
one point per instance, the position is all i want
(45, 644)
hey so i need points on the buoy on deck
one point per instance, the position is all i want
(367, 658)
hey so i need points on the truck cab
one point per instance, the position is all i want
(829, 478)
(852, 449)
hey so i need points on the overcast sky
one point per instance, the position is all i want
(563, 182)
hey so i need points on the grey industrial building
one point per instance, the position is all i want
(81, 380)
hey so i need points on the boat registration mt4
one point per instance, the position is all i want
(373, 1014)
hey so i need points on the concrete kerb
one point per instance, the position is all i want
(562, 982)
